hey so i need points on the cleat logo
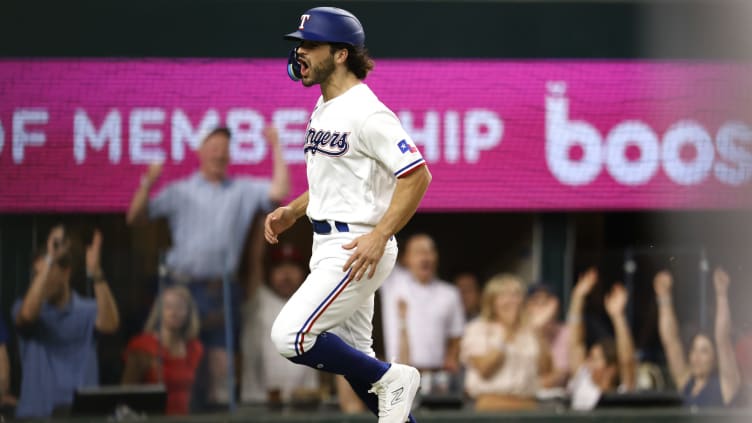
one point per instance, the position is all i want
(397, 396)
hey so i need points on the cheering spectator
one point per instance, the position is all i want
(56, 327)
(541, 309)
(266, 374)
(469, 288)
(425, 330)
(504, 357)
(606, 363)
(209, 215)
(7, 401)
(711, 377)
(168, 350)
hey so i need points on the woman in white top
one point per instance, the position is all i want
(504, 357)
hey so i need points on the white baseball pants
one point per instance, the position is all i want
(326, 302)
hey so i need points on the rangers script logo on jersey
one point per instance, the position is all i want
(357, 142)
(330, 143)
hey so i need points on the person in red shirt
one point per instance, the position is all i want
(168, 351)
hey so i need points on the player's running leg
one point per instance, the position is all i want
(357, 331)
(326, 300)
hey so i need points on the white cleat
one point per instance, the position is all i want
(396, 391)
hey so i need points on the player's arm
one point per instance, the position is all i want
(282, 218)
(407, 195)
(299, 205)
(408, 192)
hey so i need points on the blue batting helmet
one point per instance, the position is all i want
(329, 24)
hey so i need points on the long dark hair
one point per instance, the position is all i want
(706, 335)
(358, 60)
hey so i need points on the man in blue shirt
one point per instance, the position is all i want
(209, 215)
(56, 328)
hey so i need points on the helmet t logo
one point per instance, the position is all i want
(303, 19)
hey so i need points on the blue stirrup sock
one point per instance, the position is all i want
(361, 389)
(331, 354)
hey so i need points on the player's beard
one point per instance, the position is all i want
(320, 73)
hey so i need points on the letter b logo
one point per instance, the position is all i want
(563, 134)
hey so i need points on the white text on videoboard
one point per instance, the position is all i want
(146, 135)
(729, 160)
(153, 135)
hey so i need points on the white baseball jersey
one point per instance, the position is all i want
(355, 149)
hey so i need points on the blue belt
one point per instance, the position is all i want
(322, 227)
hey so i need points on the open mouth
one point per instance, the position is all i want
(303, 67)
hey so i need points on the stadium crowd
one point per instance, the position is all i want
(496, 344)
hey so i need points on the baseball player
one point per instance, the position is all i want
(365, 181)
